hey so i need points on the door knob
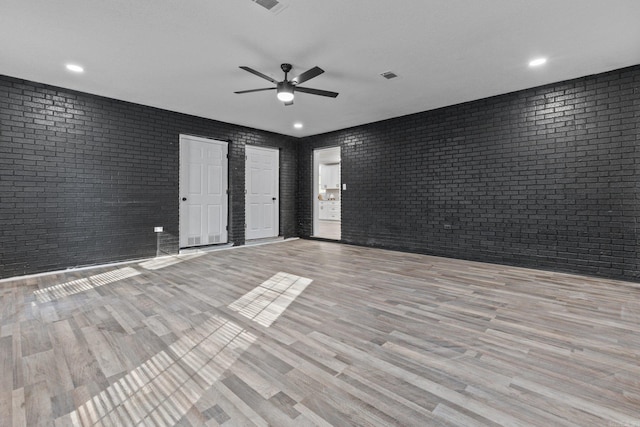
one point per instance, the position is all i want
(273, 198)
(184, 199)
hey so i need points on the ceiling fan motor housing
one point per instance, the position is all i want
(285, 86)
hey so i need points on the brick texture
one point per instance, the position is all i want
(84, 179)
(545, 178)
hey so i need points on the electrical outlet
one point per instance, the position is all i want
(158, 229)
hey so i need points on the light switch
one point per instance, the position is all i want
(344, 186)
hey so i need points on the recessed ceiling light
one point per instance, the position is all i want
(75, 68)
(537, 62)
(297, 125)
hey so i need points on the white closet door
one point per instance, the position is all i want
(262, 195)
(203, 191)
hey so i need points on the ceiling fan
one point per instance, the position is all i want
(286, 88)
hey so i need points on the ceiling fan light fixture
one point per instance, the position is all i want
(285, 96)
(285, 91)
(286, 88)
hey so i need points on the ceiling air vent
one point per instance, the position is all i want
(389, 75)
(273, 6)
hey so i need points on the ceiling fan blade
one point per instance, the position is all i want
(255, 90)
(307, 75)
(316, 91)
(258, 73)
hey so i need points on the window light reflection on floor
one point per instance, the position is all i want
(62, 290)
(266, 303)
(162, 390)
(166, 261)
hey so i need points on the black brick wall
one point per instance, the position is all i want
(545, 178)
(84, 179)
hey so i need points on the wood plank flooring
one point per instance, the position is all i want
(318, 333)
(328, 229)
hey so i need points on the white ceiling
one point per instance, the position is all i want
(184, 55)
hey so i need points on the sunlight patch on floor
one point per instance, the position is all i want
(266, 303)
(165, 387)
(162, 262)
(63, 290)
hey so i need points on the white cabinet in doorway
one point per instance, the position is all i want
(330, 176)
(329, 210)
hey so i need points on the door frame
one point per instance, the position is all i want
(315, 211)
(183, 141)
(276, 214)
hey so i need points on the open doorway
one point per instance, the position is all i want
(327, 197)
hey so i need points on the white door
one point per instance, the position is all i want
(203, 191)
(262, 198)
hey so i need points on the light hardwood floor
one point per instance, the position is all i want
(318, 333)
(328, 229)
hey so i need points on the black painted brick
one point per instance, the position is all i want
(544, 178)
(84, 179)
